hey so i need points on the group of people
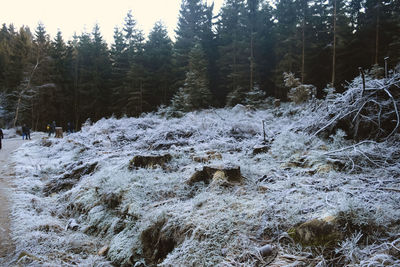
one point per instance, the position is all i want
(51, 128)
(26, 132)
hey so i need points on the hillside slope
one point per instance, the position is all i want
(166, 191)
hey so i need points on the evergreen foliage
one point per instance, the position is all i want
(215, 60)
(195, 93)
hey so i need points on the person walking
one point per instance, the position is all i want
(53, 128)
(24, 132)
(1, 136)
(27, 133)
(69, 128)
(48, 129)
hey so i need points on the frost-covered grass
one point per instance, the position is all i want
(10, 133)
(152, 216)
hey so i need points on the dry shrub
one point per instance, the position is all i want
(369, 109)
(298, 92)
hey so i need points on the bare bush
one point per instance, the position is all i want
(298, 92)
(369, 109)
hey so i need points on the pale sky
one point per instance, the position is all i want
(78, 15)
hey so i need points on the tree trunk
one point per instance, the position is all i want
(234, 62)
(33, 114)
(17, 110)
(377, 35)
(334, 45)
(303, 48)
(76, 93)
(141, 97)
(251, 59)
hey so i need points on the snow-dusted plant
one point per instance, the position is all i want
(376, 72)
(369, 108)
(290, 80)
(397, 68)
(255, 97)
(179, 104)
(298, 92)
(235, 97)
(330, 92)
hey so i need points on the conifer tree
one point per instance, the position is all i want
(287, 45)
(101, 75)
(134, 37)
(158, 63)
(120, 68)
(196, 82)
(5, 54)
(264, 54)
(196, 86)
(194, 26)
(233, 60)
(60, 108)
(133, 90)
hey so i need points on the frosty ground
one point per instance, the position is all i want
(81, 201)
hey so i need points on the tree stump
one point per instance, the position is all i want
(59, 132)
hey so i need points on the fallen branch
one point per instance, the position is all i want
(348, 147)
(389, 189)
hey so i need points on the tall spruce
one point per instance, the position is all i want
(287, 46)
(61, 108)
(194, 26)
(119, 71)
(158, 63)
(196, 85)
(134, 102)
(232, 44)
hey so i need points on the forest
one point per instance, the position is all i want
(214, 61)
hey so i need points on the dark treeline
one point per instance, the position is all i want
(214, 61)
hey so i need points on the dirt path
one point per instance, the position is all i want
(6, 174)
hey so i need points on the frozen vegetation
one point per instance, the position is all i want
(88, 200)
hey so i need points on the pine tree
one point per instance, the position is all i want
(245, 42)
(134, 87)
(264, 54)
(394, 45)
(101, 72)
(93, 74)
(196, 90)
(120, 68)
(196, 82)
(287, 45)
(194, 26)
(5, 54)
(61, 109)
(158, 63)
(232, 45)
(134, 37)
